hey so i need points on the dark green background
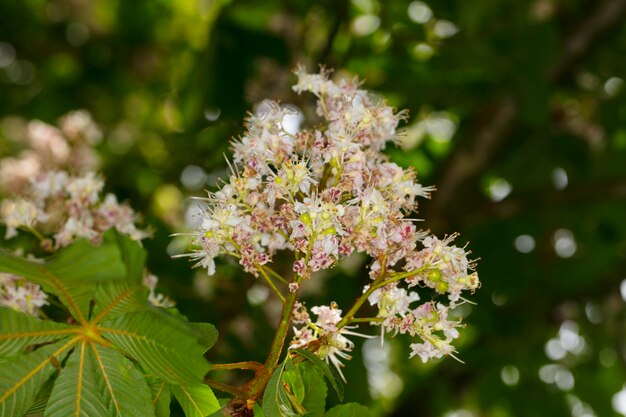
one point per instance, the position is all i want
(525, 82)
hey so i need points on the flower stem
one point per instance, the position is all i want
(367, 319)
(271, 284)
(379, 282)
(275, 274)
(35, 233)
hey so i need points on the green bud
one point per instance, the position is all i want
(434, 275)
(306, 218)
(441, 287)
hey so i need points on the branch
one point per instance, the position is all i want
(607, 15)
(220, 386)
(342, 14)
(250, 365)
(474, 154)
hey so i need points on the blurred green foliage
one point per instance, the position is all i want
(517, 115)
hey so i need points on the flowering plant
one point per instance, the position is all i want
(314, 195)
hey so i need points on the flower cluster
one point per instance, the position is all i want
(67, 207)
(58, 207)
(334, 343)
(21, 295)
(45, 147)
(324, 193)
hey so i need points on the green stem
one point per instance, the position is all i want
(256, 387)
(367, 319)
(220, 386)
(347, 319)
(35, 233)
(378, 283)
(271, 284)
(398, 277)
(275, 274)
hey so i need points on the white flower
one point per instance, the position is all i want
(19, 213)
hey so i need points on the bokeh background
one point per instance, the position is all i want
(518, 116)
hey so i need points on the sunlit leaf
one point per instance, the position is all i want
(76, 392)
(164, 347)
(73, 273)
(196, 400)
(161, 396)
(122, 386)
(22, 377)
(207, 334)
(20, 330)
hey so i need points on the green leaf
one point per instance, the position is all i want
(223, 404)
(348, 410)
(161, 396)
(97, 380)
(291, 376)
(164, 347)
(114, 298)
(73, 273)
(39, 405)
(20, 330)
(294, 382)
(196, 400)
(258, 411)
(22, 377)
(206, 333)
(134, 257)
(275, 400)
(315, 389)
(122, 386)
(76, 391)
(332, 377)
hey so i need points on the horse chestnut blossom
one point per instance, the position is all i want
(326, 192)
(49, 148)
(58, 207)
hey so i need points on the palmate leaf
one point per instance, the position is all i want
(164, 347)
(73, 274)
(21, 330)
(111, 347)
(123, 387)
(22, 377)
(114, 298)
(161, 396)
(75, 392)
(39, 405)
(206, 334)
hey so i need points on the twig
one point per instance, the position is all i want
(220, 386)
(250, 365)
